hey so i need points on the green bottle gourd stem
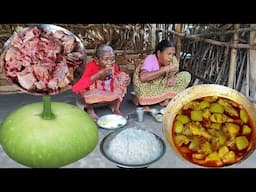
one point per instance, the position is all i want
(47, 110)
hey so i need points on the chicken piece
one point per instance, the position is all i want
(220, 118)
(241, 142)
(194, 105)
(246, 130)
(223, 151)
(26, 80)
(195, 144)
(206, 123)
(181, 139)
(233, 129)
(178, 127)
(212, 157)
(205, 148)
(211, 99)
(196, 115)
(231, 111)
(221, 138)
(195, 130)
(11, 54)
(183, 119)
(206, 113)
(198, 156)
(186, 131)
(216, 126)
(216, 108)
(40, 85)
(243, 116)
(229, 157)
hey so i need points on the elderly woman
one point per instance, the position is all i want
(102, 82)
(157, 80)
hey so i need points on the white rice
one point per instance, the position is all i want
(134, 146)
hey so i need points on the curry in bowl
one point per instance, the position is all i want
(210, 131)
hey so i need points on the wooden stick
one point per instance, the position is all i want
(233, 58)
(247, 90)
(178, 41)
(214, 42)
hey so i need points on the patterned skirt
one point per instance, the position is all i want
(100, 92)
(156, 91)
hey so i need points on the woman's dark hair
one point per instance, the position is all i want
(163, 45)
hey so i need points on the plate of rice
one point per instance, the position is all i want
(111, 121)
(132, 147)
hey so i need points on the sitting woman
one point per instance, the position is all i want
(157, 80)
(102, 82)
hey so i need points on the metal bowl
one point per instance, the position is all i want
(47, 28)
(111, 121)
(107, 139)
(204, 90)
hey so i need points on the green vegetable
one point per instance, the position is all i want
(46, 134)
(178, 126)
(216, 108)
(183, 119)
(241, 142)
(243, 116)
(196, 115)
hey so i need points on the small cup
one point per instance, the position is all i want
(140, 113)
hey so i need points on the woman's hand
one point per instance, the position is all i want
(104, 72)
(170, 68)
(171, 82)
(126, 80)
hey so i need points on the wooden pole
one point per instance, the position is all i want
(178, 40)
(214, 42)
(252, 64)
(233, 58)
(153, 36)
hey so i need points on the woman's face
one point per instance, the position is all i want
(107, 59)
(165, 57)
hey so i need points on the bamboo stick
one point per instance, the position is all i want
(214, 42)
(233, 58)
(247, 90)
(252, 64)
(178, 41)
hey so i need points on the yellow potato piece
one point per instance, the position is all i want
(241, 142)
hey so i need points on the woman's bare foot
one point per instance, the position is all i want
(164, 103)
(146, 108)
(118, 112)
(92, 114)
(111, 106)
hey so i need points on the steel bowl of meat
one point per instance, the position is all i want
(215, 127)
(43, 59)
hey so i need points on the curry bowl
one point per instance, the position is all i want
(210, 125)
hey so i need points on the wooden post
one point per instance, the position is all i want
(252, 64)
(233, 57)
(153, 36)
(178, 40)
